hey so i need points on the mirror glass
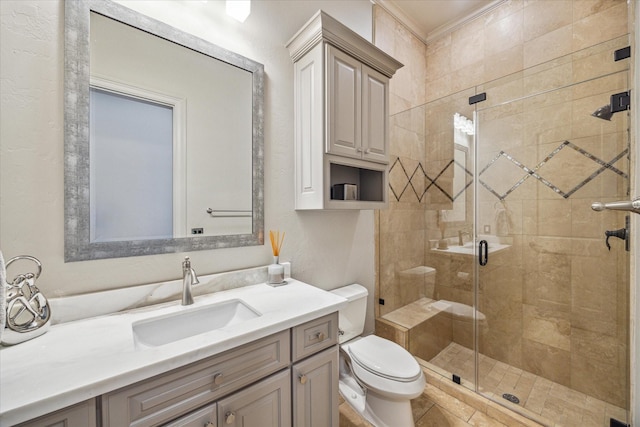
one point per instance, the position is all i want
(163, 138)
(460, 184)
(463, 130)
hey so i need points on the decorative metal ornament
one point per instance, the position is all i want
(27, 309)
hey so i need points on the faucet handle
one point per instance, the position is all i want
(186, 266)
(186, 263)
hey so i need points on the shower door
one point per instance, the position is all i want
(553, 338)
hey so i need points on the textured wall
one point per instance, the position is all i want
(327, 249)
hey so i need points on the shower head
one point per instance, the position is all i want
(603, 113)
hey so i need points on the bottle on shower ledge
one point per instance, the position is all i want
(442, 243)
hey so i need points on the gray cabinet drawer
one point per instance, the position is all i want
(313, 336)
(168, 396)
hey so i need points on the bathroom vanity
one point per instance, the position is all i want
(275, 367)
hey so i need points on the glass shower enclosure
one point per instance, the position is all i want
(493, 268)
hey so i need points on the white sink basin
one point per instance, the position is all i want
(172, 327)
(468, 248)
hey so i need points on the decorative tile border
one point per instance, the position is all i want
(420, 173)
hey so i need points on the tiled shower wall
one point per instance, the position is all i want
(572, 331)
(402, 228)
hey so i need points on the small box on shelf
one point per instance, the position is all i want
(344, 192)
(365, 184)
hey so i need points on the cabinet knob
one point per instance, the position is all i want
(303, 379)
(320, 336)
(218, 379)
(230, 417)
(358, 150)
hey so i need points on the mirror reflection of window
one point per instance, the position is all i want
(463, 130)
(131, 158)
(459, 211)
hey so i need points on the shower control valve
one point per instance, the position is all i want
(622, 233)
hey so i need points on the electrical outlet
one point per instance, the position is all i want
(487, 229)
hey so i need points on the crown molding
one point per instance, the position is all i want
(391, 7)
(324, 28)
(450, 27)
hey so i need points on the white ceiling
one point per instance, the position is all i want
(427, 18)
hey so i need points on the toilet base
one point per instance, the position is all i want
(389, 413)
(378, 410)
(352, 394)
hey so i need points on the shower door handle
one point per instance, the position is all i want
(483, 252)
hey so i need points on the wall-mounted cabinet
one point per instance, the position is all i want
(341, 116)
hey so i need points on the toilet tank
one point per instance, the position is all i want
(351, 318)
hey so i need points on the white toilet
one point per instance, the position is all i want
(378, 378)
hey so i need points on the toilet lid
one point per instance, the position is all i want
(384, 358)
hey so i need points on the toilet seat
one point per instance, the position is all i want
(385, 359)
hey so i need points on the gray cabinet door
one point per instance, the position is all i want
(315, 390)
(375, 113)
(344, 103)
(203, 417)
(264, 404)
(80, 415)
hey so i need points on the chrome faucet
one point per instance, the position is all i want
(189, 278)
(461, 234)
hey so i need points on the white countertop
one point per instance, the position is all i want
(78, 360)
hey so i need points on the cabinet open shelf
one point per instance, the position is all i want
(371, 180)
(369, 183)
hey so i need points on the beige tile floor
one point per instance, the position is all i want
(544, 403)
(444, 404)
(551, 403)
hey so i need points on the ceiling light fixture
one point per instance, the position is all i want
(464, 124)
(238, 9)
